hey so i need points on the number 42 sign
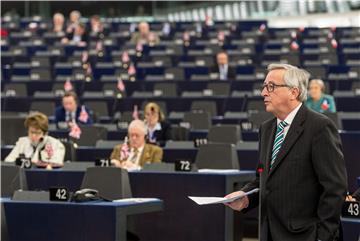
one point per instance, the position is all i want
(59, 194)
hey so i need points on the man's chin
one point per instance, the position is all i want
(268, 108)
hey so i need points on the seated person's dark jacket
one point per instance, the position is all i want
(162, 135)
(60, 115)
(84, 37)
(231, 74)
(51, 29)
(97, 35)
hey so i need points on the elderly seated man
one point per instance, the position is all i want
(137, 152)
(144, 35)
(74, 21)
(58, 23)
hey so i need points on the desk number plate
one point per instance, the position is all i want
(59, 194)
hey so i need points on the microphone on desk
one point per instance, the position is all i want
(41, 149)
(22, 161)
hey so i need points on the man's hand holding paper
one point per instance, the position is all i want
(236, 200)
(240, 203)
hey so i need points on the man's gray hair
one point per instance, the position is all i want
(139, 124)
(59, 15)
(294, 77)
(76, 12)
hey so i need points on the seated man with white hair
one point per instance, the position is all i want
(58, 23)
(138, 152)
(144, 35)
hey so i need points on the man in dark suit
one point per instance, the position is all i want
(70, 112)
(222, 67)
(303, 184)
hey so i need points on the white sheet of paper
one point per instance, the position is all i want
(135, 200)
(215, 200)
(219, 170)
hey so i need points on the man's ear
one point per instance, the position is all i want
(295, 92)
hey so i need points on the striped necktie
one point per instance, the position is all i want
(279, 139)
(135, 155)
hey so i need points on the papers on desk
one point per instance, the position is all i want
(135, 200)
(215, 200)
(219, 170)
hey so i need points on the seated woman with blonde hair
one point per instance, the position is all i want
(41, 149)
(158, 130)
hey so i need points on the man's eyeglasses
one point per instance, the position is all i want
(270, 87)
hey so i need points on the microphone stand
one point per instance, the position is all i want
(259, 172)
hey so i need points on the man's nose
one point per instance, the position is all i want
(264, 92)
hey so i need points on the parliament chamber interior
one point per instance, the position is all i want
(117, 73)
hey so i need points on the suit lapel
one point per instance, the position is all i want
(293, 134)
(144, 155)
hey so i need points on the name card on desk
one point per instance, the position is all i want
(122, 125)
(158, 93)
(214, 76)
(59, 194)
(169, 76)
(102, 162)
(183, 166)
(351, 209)
(186, 125)
(200, 141)
(23, 162)
(208, 92)
(246, 125)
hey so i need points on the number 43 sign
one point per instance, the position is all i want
(351, 210)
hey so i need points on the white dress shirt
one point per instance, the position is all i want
(151, 131)
(289, 119)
